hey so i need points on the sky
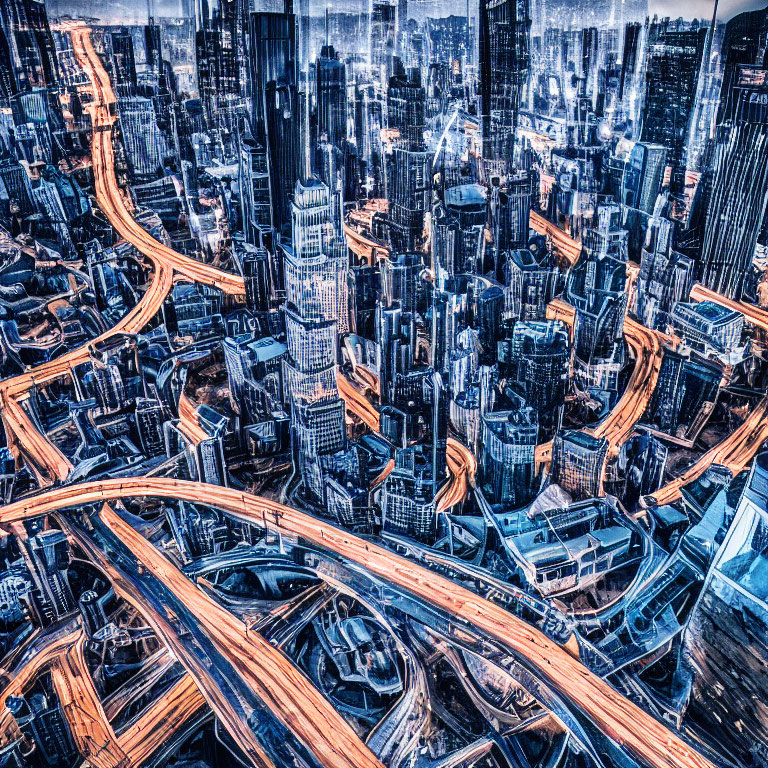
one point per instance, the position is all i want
(703, 8)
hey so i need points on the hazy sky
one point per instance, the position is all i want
(703, 8)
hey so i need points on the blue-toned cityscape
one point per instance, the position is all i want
(383, 384)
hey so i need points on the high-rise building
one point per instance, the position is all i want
(408, 497)
(685, 394)
(275, 112)
(31, 43)
(123, 56)
(316, 311)
(504, 63)
(596, 290)
(331, 97)
(643, 176)
(532, 280)
(409, 177)
(665, 276)
(578, 463)
(150, 416)
(43, 724)
(221, 58)
(739, 192)
(145, 144)
(539, 364)
(508, 457)
(47, 557)
(675, 49)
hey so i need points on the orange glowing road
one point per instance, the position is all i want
(647, 345)
(735, 453)
(108, 193)
(94, 738)
(179, 705)
(755, 315)
(628, 725)
(562, 244)
(47, 461)
(273, 677)
(188, 421)
(462, 464)
(63, 656)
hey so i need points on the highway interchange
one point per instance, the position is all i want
(264, 675)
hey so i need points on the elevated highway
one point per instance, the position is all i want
(648, 740)
(47, 460)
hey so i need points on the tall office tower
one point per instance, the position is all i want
(316, 284)
(124, 59)
(643, 176)
(504, 63)
(409, 185)
(400, 278)
(153, 46)
(9, 85)
(408, 496)
(675, 49)
(606, 237)
(739, 191)
(259, 279)
(457, 230)
(538, 363)
(150, 416)
(396, 336)
(47, 557)
(578, 460)
(331, 97)
(510, 211)
(275, 106)
(724, 639)
(665, 277)
(745, 43)
(642, 460)
(685, 395)
(596, 290)
(220, 47)
(42, 723)
(532, 280)
(145, 145)
(31, 43)
(383, 37)
(508, 458)
(253, 183)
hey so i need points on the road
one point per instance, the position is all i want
(735, 453)
(462, 464)
(648, 348)
(47, 461)
(94, 738)
(629, 726)
(253, 664)
(60, 652)
(757, 316)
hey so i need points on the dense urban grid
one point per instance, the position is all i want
(383, 384)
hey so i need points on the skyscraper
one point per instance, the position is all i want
(578, 461)
(409, 185)
(316, 285)
(675, 49)
(508, 460)
(739, 193)
(275, 111)
(504, 63)
(331, 96)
